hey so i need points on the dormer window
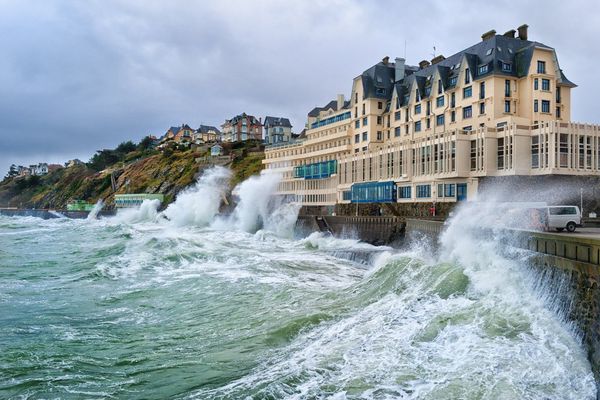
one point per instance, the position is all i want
(489, 52)
(380, 91)
(452, 81)
(483, 69)
(506, 67)
(457, 66)
(510, 50)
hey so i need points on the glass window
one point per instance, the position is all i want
(439, 120)
(506, 67)
(482, 90)
(379, 105)
(404, 192)
(467, 112)
(481, 108)
(557, 112)
(379, 135)
(535, 148)
(428, 123)
(506, 106)
(440, 86)
(397, 131)
(483, 69)
(356, 138)
(449, 190)
(535, 84)
(397, 116)
(418, 126)
(365, 120)
(500, 153)
(357, 123)
(423, 191)
(507, 88)
(365, 136)
(453, 99)
(467, 92)
(452, 116)
(545, 106)
(535, 106)
(467, 76)
(379, 120)
(439, 102)
(546, 84)
(541, 67)
(452, 81)
(418, 109)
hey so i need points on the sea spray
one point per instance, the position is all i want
(146, 212)
(199, 204)
(255, 195)
(97, 208)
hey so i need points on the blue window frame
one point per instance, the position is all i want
(467, 112)
(365, 121)
(397, 131)
(545, 106)
(357, 138)
(541, 67)
(449, 190)
(506, 67)
(365, 136)
(418, 126)
(439, 120)
(316, 170)
(452, 81)
(439, 102)
(506, 106)
(397, 116)
(483, 69)
(418, 109)
(535, 84)
(546, 84)
(404, 192)
(357, 123)
(423, 191)
(467, 92)
(374, 192)
(535, 106)
(481, 108)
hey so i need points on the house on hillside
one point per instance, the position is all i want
(277, 130)
(39, 169)
(241, 128)
(207, 134)
(73, 162)
(216, 150)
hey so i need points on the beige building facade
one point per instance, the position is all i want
(429, 133)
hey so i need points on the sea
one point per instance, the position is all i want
(188, 303)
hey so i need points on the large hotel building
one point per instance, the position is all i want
(430, 133)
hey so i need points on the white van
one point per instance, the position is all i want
(561, 217)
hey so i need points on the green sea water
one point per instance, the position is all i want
(132, 309)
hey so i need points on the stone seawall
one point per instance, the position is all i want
(50, 214)
(374, 230)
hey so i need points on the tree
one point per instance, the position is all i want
(12, 171)
(145, 144)
(125, 147)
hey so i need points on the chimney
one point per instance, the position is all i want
(437, 59)
(510, 34)
(385, 60)
(399, 75)
(488, 35)
(523, 31)
(423, 64)
(340, 102)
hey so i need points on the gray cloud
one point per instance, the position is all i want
(79, 76)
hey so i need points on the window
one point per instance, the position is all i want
(467, 128)
(535, 148)
(363, 109)
(439, 120)
(557, 112)
(397, 131)
(506, 67)
(546, 106)
(440, 190)
(380, 91)
(467, 112)
(500, 162)
(535, 106)
(541, 67)
(453, 116)
(427, 91)
(467, 92)
(489, 52)
(439, 102)
(483, 69)
(481, 108)
(558, 94)
(357, 123)
(453, 100)
(404, 192)
(507, 88)
(546, 84)
(379, 135)
(449, 190)
(418, 97)
(397, 116)
(535, 84)
(418, 126)
(356, 138)
(355, 97)
(467, 76)
(365, 136)
(440, 86)
(365, 120)
(379, 120)
(428, 123)
(482, 90)
(452, 81)
(428, 107)
(506, 106)
(418, 109)
(379, 105)
(473, 155)
(423, 191)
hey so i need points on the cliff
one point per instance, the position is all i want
(166, 173)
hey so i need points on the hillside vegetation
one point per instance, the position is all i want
(131, 169)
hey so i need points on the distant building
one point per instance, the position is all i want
(135, 199)
(54, 167)
(216, 150)
(39, 169)
(241, 128)
(207, 134)
(73, 162)
(277, 130)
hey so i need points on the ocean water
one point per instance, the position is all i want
(187, 304)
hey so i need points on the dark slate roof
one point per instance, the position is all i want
(277, 121)
(331, 105)
(207, 128)
(252, 118)
(378, 81)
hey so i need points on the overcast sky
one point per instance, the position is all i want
(77, 75)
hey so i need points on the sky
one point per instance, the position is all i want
(78, 76)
